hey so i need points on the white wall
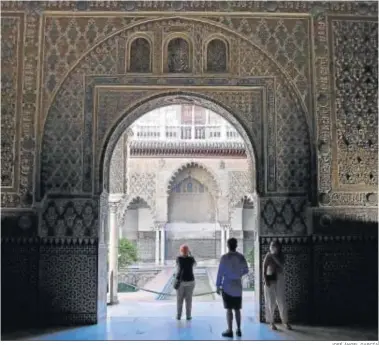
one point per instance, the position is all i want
(249, 223)
(130, 227)
(236, 220)
(145, 220)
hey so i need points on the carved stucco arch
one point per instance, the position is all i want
(298, 101)
(193, 164)
(125, 202)
(163, 99)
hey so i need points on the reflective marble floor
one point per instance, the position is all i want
(155, 321)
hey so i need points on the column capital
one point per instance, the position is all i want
(113, 206)
(225, 226)
(159, 226)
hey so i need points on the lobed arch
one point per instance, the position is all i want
(193, 164)
(127, 201)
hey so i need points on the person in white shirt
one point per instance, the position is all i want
(232, 267)
(274, 285)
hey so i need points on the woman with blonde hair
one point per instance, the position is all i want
(184, 283)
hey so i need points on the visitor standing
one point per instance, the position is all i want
(232, 267)
(274, 285)
(185, 281)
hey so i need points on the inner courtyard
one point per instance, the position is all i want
(131, 128)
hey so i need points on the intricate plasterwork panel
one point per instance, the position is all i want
(286, 7)
(355, 77)
(240, 185)
(102, 61)
(143, 185)
(285, 39)
(70, 218)
(288, 147)
(117, 170)
(23, 104)
(67, 38)
(11, 65)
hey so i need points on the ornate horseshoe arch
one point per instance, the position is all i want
(189, 165)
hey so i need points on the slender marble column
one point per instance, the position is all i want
(227, 235)
(163, 243)
(113, 252)
(222, 232)
(157, 245)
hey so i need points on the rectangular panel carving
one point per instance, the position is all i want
(355, 107)
(12, 31)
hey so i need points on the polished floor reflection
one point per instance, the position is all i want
(155, 321)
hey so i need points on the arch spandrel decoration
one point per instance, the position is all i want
(78, 175)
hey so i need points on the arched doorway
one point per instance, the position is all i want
(190, 194)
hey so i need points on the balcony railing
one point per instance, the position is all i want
(186, 133)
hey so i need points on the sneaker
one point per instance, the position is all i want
(239, 333)
(189, 318)
(178, 318)
(273, 327)
(228, 334)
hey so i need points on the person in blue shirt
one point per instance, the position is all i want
(232, 267)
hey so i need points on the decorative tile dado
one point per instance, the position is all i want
(77, 217)
(67, 282)
(19, 286)
(283, 216)
(336, 273)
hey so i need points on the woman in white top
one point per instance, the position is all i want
(274, 289)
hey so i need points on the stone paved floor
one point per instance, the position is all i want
(155, 321)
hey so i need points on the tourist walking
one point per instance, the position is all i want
(274, 285)
(184, 282)
(232, 267)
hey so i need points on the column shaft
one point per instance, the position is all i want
(163, 240)
(113, 253)
(157, 246)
